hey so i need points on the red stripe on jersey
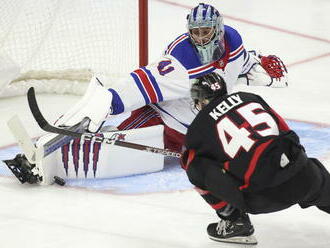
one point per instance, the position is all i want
(253, 163)
(226, 165)
(281, 122)
(190, 157)
(201, 191)
(236, 52)
(200, 68)
(219, 205)
(147, 85)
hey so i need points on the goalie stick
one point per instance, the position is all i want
(32, 153)
(43, 123)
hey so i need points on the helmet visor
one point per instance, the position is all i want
(200, 96)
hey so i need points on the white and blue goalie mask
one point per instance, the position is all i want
(206, 31)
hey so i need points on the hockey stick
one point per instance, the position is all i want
(32, 153)
(43, 123)
(23, 139)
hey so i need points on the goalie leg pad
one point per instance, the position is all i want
(92, 159)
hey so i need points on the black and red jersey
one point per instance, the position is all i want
(245, 138)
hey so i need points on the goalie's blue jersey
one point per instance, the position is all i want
(165, 83)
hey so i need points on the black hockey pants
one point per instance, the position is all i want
(309, 187)
(319, 194)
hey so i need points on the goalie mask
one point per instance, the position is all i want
(206, 88)
(206, 31)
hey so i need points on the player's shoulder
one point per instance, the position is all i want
(247, 96)
(233, 39)
(233, 100)
(183, 50)
(251, 97)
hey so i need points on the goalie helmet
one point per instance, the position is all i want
(206, 88)
(206, 31)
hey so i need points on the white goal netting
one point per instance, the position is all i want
(59, 44)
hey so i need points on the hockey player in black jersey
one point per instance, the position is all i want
(243, 158)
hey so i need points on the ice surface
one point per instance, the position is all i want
(161, 209)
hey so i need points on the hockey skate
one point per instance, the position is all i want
(239, 231)
(23, 170)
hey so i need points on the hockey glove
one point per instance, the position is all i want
(264, 71)
(275, 68)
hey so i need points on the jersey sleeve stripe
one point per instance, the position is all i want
(154, 84)
(236, 56)
(175, 43)
(141, 87)
(235, 52)
(148, 86)
(253, 163)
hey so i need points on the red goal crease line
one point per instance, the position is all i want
(255, 23)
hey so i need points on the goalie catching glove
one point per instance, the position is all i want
(267, 71)
(275, 68)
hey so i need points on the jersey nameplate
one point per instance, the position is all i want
(224, 106)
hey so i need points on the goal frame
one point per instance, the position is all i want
(143, 32)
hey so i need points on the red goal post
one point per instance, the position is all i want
(58, 44)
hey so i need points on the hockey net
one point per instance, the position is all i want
(60, 44)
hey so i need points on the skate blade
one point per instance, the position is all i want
(246, 240)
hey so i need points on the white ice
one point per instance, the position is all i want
(54, 216)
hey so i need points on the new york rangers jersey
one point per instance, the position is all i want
(165, 83)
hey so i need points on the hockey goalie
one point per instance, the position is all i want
(56, 156)
(157, 96)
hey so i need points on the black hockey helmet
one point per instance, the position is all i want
(207, 88)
